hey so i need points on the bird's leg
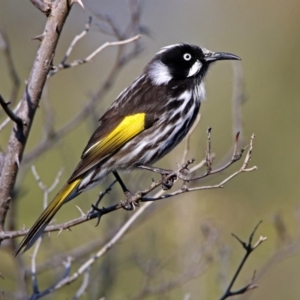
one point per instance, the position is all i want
(168, 176)
(127, 204)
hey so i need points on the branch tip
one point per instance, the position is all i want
(77, 1)
(80, 210)
(10, 113)
(254, 230)
(239, 240)
(39, 37)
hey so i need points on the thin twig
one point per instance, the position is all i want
(7, 120)
(46, 192)
(34, 281)
(244, 168)
(75, 40)
(249, 248)
(187, 139)
(237, 155)
(208, 157)
(92, 55)
(84, 284)
(10, 113)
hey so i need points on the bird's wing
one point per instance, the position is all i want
(109, 137)
(130, 114)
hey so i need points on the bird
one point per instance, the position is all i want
(145, 122)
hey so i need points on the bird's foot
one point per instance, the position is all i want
(168, 179)
(94, 209)
(131, 201)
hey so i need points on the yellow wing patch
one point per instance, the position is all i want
(125, 131)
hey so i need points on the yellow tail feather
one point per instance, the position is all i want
(39, 226)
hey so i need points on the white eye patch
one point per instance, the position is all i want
(195, 68)
(187, 56)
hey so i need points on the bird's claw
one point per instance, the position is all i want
(168, 180)
(95, 208)
(129, 203)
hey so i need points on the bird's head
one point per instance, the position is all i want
(183, 61)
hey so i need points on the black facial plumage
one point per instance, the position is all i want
(180, 59)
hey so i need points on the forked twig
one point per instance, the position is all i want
(77, 62)
(249, 248)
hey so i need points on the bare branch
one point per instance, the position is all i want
(237, 155)
(78, 62)
(43, 187)
(84, 284)
(33, 267)
(29, 105)
(46, 192)
(105, 248)
(76, 39)
(249, 248)
(141, 196)
(220, 185)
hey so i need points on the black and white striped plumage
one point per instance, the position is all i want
(145, 122)
(169, 91)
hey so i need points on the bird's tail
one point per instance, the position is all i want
(39, 226)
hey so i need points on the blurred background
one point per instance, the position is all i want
(176, 235)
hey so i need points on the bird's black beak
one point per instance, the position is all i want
(214, 56)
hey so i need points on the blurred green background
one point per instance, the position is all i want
(265, 34)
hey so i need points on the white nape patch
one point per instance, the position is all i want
(195, 68)
(159, 73)
(166, 48)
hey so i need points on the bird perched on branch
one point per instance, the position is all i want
(146, 121)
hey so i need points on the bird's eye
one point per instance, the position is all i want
(187, 56)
